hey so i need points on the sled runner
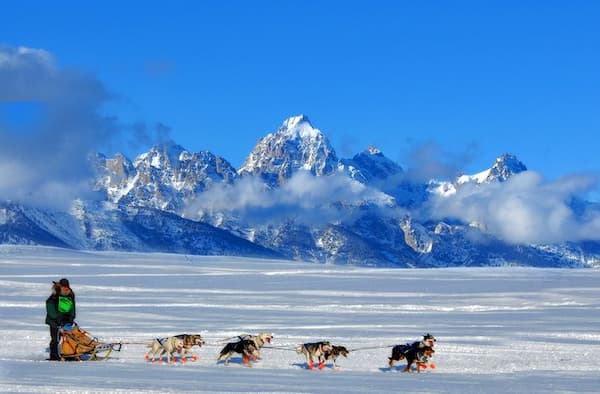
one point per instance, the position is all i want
(77, 344)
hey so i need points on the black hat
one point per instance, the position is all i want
(64, 282)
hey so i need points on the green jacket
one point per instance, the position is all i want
(60, 309)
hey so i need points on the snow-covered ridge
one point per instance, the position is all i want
(480, 177)
(504, 167)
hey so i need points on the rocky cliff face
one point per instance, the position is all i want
(163, 178)
(296, 145)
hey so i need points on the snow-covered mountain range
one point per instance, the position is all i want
(305, 204)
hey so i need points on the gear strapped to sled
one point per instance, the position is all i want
(78, 344)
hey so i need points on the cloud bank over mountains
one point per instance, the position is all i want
(304, 198)
(526, 208)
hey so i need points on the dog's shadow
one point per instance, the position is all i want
(395, 368)
(305, 366)
(301, 365)
(233, 360)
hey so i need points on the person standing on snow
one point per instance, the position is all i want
(60, 310)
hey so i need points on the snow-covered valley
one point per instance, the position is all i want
(498, 329)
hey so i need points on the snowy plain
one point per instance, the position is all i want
(498, 329)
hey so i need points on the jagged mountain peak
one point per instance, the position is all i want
(373, 150)
(296, 121)
(372, 153)
(503, 168)
(299, 128)
(296, 145)
(167, 146)
(162, 178)
(370, 165)
(167, 151)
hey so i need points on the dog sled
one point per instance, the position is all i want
(77, 344)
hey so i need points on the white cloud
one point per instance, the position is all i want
(46, 162)
(525, 209)
(304, 197)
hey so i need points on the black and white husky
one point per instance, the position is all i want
(245, 347)
(335, 352)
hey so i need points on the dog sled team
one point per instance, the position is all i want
(417, 354)
(69, 342)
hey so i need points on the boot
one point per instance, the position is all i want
(54, 352)
(53, 357)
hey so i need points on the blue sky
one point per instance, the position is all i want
(476, 79)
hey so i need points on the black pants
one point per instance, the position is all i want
(54, 342)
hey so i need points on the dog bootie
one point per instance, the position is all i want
(321, 365)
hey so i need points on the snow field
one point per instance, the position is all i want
(498, 329)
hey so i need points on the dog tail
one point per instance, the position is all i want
(151, 344)
(299, 349)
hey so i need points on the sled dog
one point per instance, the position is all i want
(334, 353)
(244, 347)
(315, 350)
(162, 346)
